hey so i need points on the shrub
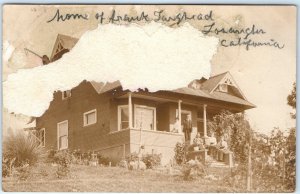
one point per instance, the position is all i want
(179, 153)
(20, 149)
(151, 160)
(103, 160)
(193, 169)
(132, 157)
(23, 172)
(7, 165)
(63, 160)
(51, 155)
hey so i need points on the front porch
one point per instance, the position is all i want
(164, 114)
(154, 123)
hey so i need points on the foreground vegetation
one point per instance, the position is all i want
(113, 179)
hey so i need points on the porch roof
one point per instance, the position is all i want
(195, 100)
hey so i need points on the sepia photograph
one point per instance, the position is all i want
(149, 98)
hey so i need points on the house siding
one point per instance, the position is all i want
(83, 99)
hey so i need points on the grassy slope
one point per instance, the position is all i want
(105, 179)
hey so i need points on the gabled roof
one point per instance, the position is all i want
(105, 87)
(215, 96)
(212, 82)
(64, 41)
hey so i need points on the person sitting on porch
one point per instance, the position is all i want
(212, 144)
(187, 128)
(176, 126)
(198, 142)
(222, 146)
(212, 139)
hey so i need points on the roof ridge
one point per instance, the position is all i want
(218, 74)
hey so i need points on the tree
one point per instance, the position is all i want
(291, 100)
(237, 131)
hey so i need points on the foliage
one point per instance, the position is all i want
(20, 149)
(90, 156)
(272, 168)
(132, 157)
(151, 160)
(193, 169)
(23, 172)
(291, 99)
(7, 165)
(236, 130)
(179, 153)
(63, 160)
(103, 160)
(291, 159)
(50, 155)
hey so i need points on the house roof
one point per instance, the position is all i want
(207, 87)
(215, 96)
(212, 82)
(105, 87)
(67, 42)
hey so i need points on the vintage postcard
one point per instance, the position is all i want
(149, 98)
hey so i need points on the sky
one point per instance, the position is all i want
(264, 74)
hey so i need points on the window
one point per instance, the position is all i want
(62, 135)
(145, 117)
(66, 94)
(90, 117)
(223, 87)
(123, 117)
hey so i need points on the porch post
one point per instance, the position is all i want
(130, 110)
(179, 114)
(204, 120)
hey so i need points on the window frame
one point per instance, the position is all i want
(119, 116)
(65, 121)
(147, 107)
(85, 124)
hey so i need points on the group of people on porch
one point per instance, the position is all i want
(215, 149)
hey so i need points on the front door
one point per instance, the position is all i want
(62, 135)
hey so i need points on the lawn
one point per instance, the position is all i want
(113, 179)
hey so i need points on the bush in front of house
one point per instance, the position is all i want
(20, 149)
(102, 160)
(151, 160)
(193, 169)
(63, 160)
(179, 153)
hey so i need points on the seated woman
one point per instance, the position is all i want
(198, 142)
(222, 146)
(212, 144)
(212, 139)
